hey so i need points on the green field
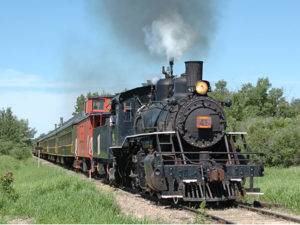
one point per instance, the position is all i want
(280, 185)
(49, 195)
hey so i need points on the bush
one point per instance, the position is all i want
(6, 185)
(272, 123)
(17, 150)
(278, 138)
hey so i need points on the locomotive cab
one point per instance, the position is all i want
(124, 107)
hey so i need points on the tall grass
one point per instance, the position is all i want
(49, 195)
(280, 185)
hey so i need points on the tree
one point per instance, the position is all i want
(220, 92)
(15, 135)
(271, 121)
(221, 86)
(290, 110)
(255, 100)
(79, 107)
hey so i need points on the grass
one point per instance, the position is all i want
(49, 195)
(280, 185)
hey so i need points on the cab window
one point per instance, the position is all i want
(98, 104)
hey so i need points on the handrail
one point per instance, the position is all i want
(170, 157)
(237, 153)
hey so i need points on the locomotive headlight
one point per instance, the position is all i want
(201, 87)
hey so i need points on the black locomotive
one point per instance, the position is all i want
(169, 139)
(166, 139)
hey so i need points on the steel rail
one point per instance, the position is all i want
(267, 212)
(207, 215)
(169, 202)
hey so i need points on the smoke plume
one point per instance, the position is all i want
(163, 27)
(169, 36)
(135, 36)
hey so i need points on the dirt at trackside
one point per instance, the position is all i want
(141, 208)
(134, 204)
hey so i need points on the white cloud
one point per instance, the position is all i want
(11, 71)
(15, 79)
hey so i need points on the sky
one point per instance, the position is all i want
(52, 51)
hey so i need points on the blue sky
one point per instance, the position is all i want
(49, 51)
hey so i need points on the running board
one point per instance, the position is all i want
(172, 196)
(253, 191)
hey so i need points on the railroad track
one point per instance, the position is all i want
(248, 214)
(239, 213)
(209, 216)
(278, 215)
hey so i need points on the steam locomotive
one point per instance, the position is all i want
(166, 139)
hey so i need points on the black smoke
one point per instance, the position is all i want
(128, 19)
(124, 26)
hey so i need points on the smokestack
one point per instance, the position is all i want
(55, 125)
(193, 70)
(61, 121)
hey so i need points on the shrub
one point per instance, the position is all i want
(17, 150)
(278, 138)
(6, 185)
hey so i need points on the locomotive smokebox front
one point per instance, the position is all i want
(201, 122)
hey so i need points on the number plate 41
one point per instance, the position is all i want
(203, 122)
